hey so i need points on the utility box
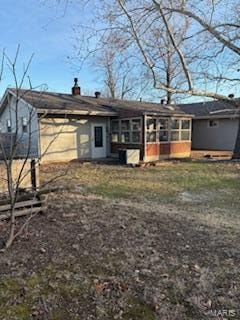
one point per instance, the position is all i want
(129, 156)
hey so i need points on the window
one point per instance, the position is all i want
(166, 129)
(151, 124)
(136, 130)
(213, 123)
(115, 137)
(115, 125)
(125, 125)
(157, 129)
(115, 130)
(185, 135)
(163, 136)
(163, 127)
(126, 130)
(181, 129)
(185, 130)
(136, 124)
(151, 136)
(175, 132)
(125, 137)
(175, 124)
(175, 135)
(185, 124)
(24, 125)
(98, 137)
(151, 130)
(136, 136)
(9, 126)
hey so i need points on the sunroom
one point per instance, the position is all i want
(156, 136)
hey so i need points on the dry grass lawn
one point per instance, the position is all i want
(129, 243)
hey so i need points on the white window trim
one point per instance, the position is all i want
(170, 130)
(130, 131)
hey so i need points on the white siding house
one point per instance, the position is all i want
(65, 127)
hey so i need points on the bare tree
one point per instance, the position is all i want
(208, 53)
(202, 36)
(19, 144)
(115, 73)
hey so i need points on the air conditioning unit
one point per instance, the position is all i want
(129, 156)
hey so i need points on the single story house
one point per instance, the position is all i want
(214, 126)
(63, 127)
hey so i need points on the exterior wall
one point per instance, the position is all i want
(220, 138)
(158, 151)
(64, 139)
(16, 167)
(24, 139)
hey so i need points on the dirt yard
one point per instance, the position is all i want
(129, 243)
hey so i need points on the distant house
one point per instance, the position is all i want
(215, 125)
(64, 127)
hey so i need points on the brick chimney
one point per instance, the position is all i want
(76, 90)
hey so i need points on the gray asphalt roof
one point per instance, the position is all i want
(66, 102)
(211, 108)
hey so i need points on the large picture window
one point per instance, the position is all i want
(126, 130)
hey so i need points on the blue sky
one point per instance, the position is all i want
(45, 31)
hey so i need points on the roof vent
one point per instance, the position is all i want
(76, 90)
(97, 94)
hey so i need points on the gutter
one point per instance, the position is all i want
(231, 116)
(186, 115)
(75, 112)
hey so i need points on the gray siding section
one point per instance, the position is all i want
(27, 141)
(222, 137)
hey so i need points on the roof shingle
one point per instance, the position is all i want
(53, 102)
(213, 108)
